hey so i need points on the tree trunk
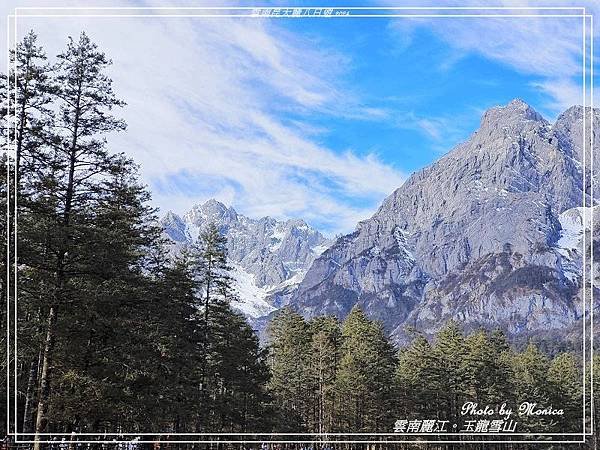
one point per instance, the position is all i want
(31, 381)
(204, 374)
(41, 418)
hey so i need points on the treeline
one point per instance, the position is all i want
(113, 335)
(330, 377)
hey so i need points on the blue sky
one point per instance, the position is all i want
(318, 119)
(433, 94)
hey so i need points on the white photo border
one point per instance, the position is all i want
(398, 12)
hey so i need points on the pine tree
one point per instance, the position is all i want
(364, 383)
(104, 353)
(22, 126)
(213, 267)
(176, 328)
(71, 188)
(214, 288)
(450, 379)
(4, 149)
(213, 270)
(32, 109)
(565, 392)
(233, 371)
(486, 368)
(289, 358)
(326, 342)
(530, 368)
(237, 372)
(414, 381)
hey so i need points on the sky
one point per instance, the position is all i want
(318, 119)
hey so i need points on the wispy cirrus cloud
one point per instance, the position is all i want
(241, 110)
(207, 108)
(550, 48)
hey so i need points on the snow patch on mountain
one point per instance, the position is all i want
(572, 229)
(252, 299)
(319, 249)
(269, 257)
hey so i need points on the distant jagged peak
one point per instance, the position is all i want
(211, 210)
(269, 256)
(572, 131)
(298, 223)
(213, 206)
(576, 112)
(170, 217)
(222, 215)
(173, 225)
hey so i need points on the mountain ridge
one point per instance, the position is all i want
(268, 256)
(496, 197)
(490, 234)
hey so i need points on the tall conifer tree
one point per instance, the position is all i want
(450, 382)
(365, 377)
(414, 380)
(565, 392)
(290, 384)
(530, 368)
(72, 189)
(24, 126)
(326, 340)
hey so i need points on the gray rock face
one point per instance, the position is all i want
(269, 257)
(474, 236)
(570, 129)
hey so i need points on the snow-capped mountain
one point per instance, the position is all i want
(269, 257)
(489, 235)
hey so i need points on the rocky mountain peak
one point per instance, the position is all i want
(574, 114)
(299, 223)
(470, 236)
(211, 211)
(173, 226)
(516, 108)
(170, 217)
(569, 130)
(269, 256)
(515, 111)
(571, 120)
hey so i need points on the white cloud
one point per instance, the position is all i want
(206, 97)
(549, 48)
(564, 91)
(205, 102)
(546, 47)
